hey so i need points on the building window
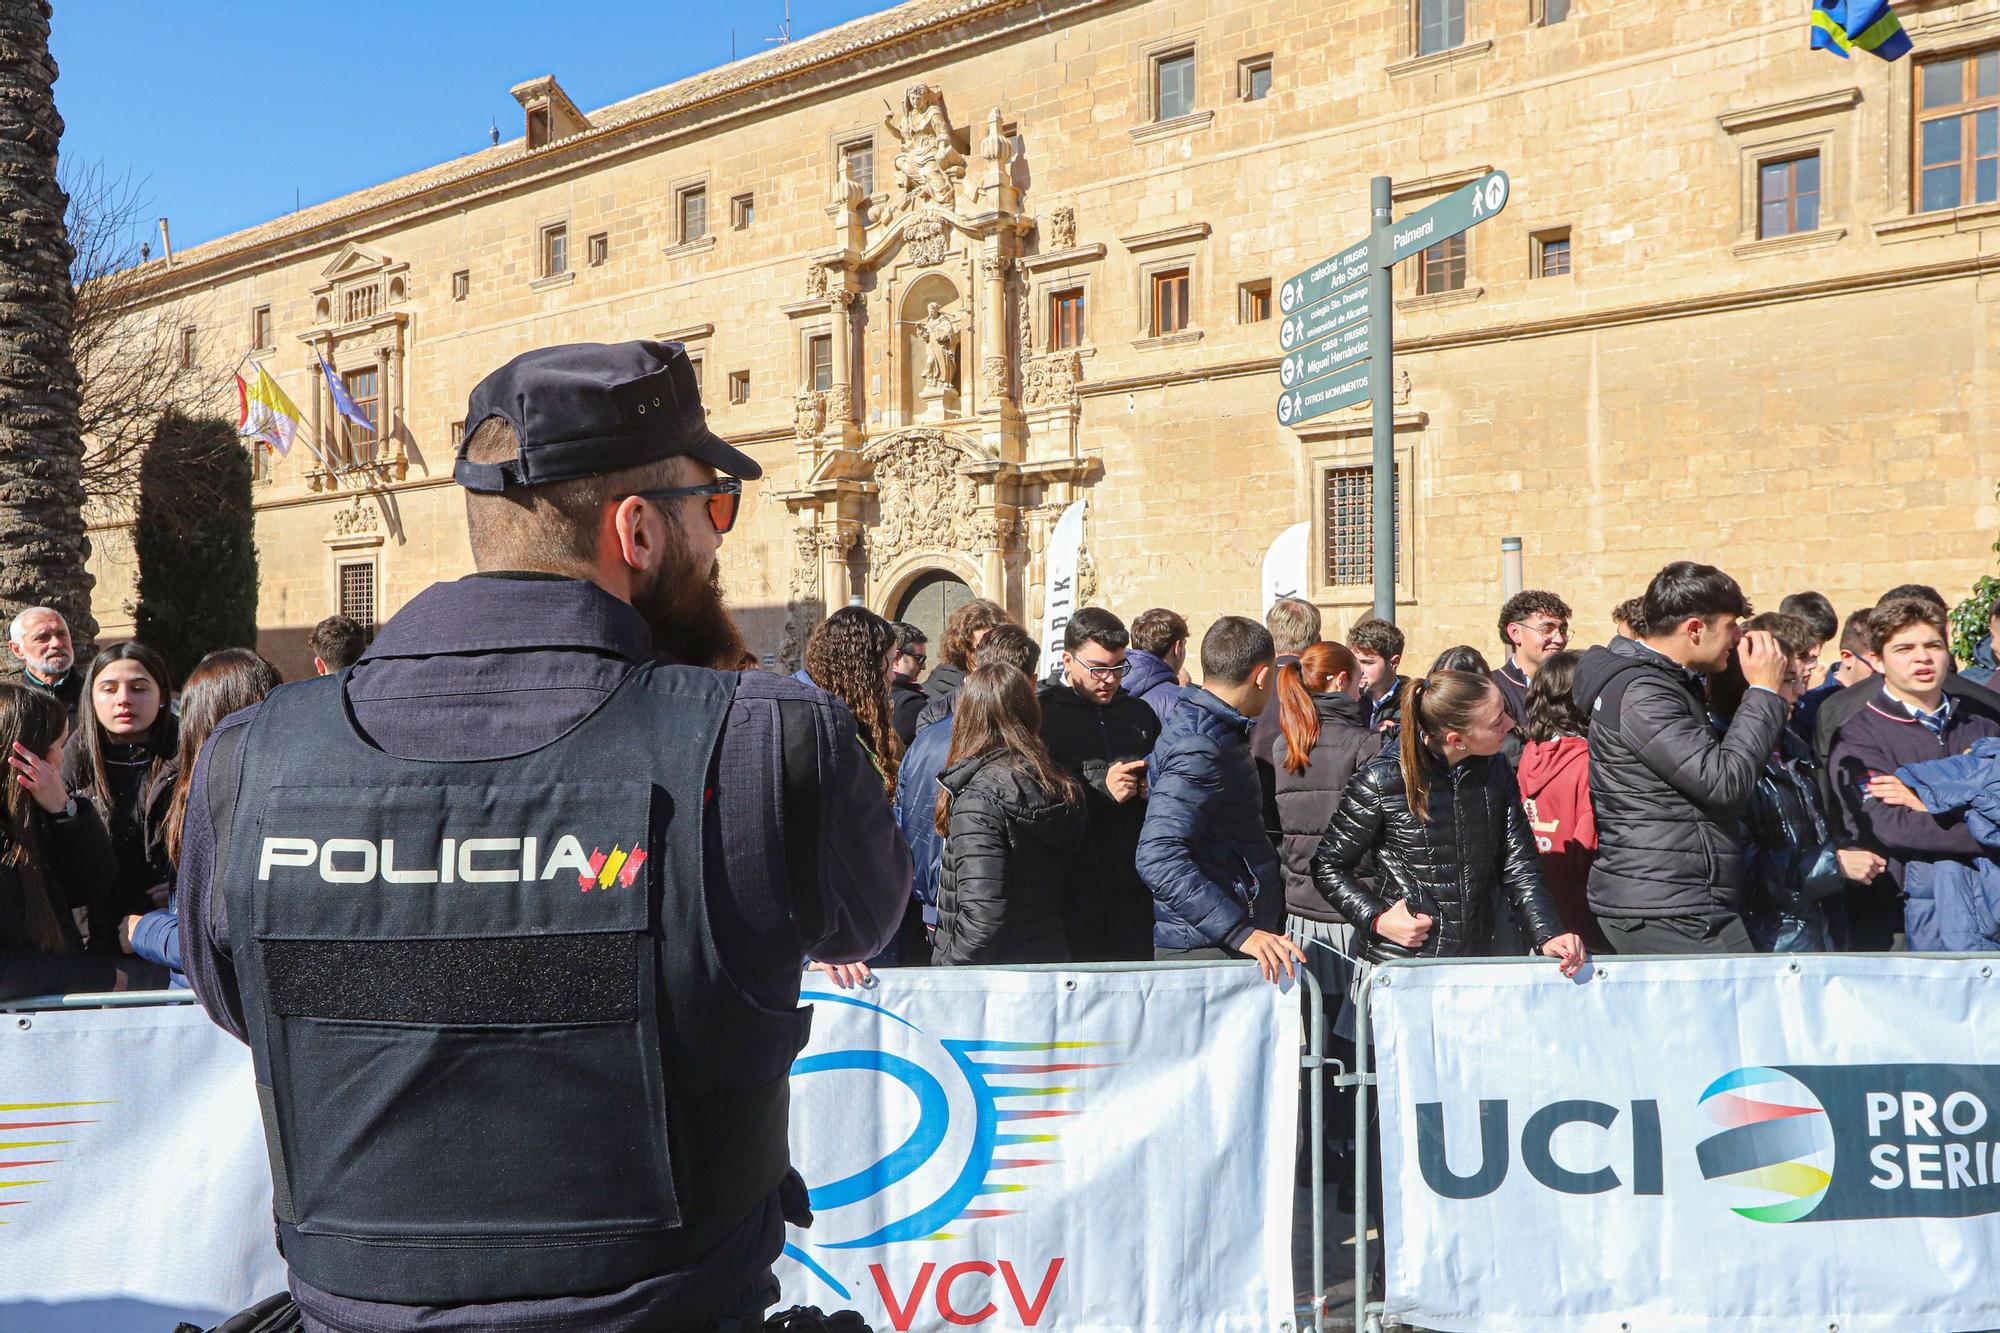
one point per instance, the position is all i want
(694, 213)
(697, 361)
(859, 157)
(600, 249)
(1442, 268)
(457, 433)
(1173, 85)
(1440, 25)
(1788, 196)
(1170, 302)
(362, 302)
(538, 126)
(1253, 302)
(260, 326)
(1066, 319)
(1552, 253)
(357, 595)
(364, 387)
(1554, 11)
(1253, 79)
(739, 386)
(260, 460)
(819, 361)
(188, 348)
(1958, 131)
(743, 211)
(461, 284)
(555, 251)
(1350, 524)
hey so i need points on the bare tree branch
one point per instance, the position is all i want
(127, 350)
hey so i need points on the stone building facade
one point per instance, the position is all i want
(949, 267)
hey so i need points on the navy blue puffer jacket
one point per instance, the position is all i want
(1203, 852)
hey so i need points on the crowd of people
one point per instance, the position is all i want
(1708, 780)
(102, 756)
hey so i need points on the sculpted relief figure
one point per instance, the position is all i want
(929, 167)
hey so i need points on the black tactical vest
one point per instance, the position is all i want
(496, 1050)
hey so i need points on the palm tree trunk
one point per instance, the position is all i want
(42, 543)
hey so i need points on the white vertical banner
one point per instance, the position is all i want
(1753, 1145)
(1061, 559)
(1049, 1149)
(1285, 565)
(134, 1190)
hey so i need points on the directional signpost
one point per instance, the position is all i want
(1336, 338)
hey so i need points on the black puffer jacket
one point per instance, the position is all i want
(1110, 909)
(1006, 862)
(1451, 866)
(1307, 800)
(1669, 793)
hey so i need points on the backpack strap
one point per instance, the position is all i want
(798, 732)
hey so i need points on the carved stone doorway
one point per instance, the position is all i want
(929, 602)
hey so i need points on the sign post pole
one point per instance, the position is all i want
(1381, 376)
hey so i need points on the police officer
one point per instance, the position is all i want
(511, 912)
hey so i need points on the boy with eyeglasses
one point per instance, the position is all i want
(1102, 735)
(1533, 624)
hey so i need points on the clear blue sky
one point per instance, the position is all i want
(224, 108)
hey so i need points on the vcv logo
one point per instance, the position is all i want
(983, 1118)
(1790, 1143)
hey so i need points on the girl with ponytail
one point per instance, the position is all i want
(1442, 818)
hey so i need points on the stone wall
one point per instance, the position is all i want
(1778, 407)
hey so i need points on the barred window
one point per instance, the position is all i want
(362, 301)
(1350, 524)
(357, 595)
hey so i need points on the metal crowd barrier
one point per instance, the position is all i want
(1313, 1062)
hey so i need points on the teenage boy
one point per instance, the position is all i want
(1102, 735)
(1533, 624)
(1667, 791)
(1378, 650)
(1913, 718)
(1217, 886)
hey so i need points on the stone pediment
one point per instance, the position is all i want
(354, 262)
(927, 492)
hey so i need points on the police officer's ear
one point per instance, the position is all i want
(639, 535)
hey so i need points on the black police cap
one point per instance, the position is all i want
(585, 409)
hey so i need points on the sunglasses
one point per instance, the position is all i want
(724, 494)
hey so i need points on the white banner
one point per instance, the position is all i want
(1064, 555)
(1285, 564)
(1058, 1150)
(133, 1186)
(1762, 1144)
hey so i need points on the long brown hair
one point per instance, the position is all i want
(35, 720)
(160, 737)
(1432, 705)
(1551, 709)
(997, 710)
(225, 681)
(846, 657)
(1297, 684)
(964, 625)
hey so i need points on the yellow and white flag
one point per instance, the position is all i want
(268, 415)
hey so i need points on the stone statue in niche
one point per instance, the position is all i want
(929, 167)
(939, 332)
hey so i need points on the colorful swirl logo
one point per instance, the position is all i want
(983, 1114)
(1774, 1151)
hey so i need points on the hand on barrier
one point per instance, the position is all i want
(1764, 662)
(1272, 953)
(1569, 952)
(846, 975)
(1892, 790)
(1399, 925)
(1125, 780)
(42, 778)
(1860, 865)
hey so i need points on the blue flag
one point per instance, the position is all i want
(343, 402)
(1841, 26)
